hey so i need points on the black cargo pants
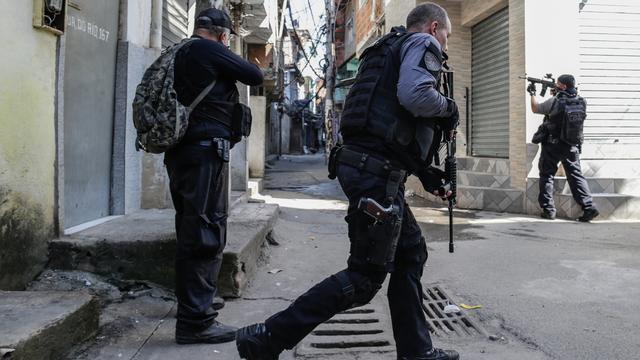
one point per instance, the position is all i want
(569, 156)
(198, 178)
(360, 281)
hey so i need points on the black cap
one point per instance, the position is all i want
(214, 17)
(568, 80)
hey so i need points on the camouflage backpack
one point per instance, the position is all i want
(160, 119)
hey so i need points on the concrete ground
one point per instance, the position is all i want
(547, 289)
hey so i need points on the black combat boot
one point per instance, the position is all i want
(435, 354)
(589, 214)
(218, 303)
(215, 334)
(254, 342)
(548, 214)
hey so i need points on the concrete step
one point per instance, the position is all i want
(599, 185)
(141, 246)
(45, 325)
(256, 186)
(610, 206)
(616, 199)
(484, 165)
(237, 198)
(490, 199)
(478, 179)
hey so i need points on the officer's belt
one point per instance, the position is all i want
(395, 175)
(366, 162)
(209, 142)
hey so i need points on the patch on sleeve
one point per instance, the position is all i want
(432, 62)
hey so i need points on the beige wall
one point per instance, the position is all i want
(518, 164)
(27, 144)
(474, 11)
(256, 147)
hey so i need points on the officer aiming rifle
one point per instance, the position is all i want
(549, 83)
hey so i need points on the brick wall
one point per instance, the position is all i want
(460, 61)
(367, 18)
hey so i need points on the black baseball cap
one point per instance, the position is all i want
(568, 80)
(214, 17)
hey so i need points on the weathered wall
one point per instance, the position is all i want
(396, 12)
(140, 180)
(256, 142)
(27, 145)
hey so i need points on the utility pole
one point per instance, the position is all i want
(330, 72)
(280, 35)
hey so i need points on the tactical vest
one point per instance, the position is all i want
(568, 121)
(372, 107)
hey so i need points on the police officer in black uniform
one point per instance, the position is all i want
(388, 125)
(558, 147)
(197, 170)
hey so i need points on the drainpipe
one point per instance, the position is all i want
(155, 37)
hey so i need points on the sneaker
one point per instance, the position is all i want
(589, 214)
(218, 303)
(217, 333)
(548, 214)
(436, 354)
(253, 343)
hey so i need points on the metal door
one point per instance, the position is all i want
(490, 84)
(175, 21)
(89, 86)
(609, 75)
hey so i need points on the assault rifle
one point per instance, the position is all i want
(450, 162)
(549, 83)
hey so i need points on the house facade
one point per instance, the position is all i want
(67, 146)
(493, 43)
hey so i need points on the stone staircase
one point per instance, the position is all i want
(485, 184)
(45, 324)
(615, 198)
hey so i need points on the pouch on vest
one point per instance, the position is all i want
(571, 131)
(240, 122)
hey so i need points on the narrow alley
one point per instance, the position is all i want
(559, 291)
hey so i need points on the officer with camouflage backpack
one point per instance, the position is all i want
(196, 140)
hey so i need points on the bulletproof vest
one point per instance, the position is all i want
(372, 107)
(568, 120)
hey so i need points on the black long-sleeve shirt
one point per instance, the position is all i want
(196, 65)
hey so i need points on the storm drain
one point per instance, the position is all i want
(447, 325)
(360, 330)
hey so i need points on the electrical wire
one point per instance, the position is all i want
(304, 52)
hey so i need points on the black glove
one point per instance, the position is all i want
(451, 121)
(531, 89)
(431, 178)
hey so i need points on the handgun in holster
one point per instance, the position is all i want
(384, 231)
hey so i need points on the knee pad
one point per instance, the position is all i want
(358, 289)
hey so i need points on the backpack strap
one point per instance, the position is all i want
(202, 94)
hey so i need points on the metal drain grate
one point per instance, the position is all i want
(446, 325)
(360, 330)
